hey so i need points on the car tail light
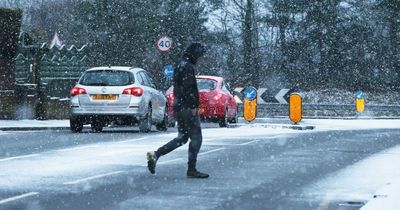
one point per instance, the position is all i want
(77, 91)
(136, 91)
(218, 96)
(171, 96)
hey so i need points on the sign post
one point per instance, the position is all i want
(250, 104)
(164, 45)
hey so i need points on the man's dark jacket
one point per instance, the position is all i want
(186, 94)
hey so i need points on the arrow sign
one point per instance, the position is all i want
(260, 91)
(250, 93)
(265, 95)
(236, 92)
(168, 71)
(360, 95)
(280, 96)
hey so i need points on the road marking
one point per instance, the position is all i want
(211, 151)
(76, 148)
(96, 145)
(7, 200)
(93, 177)
(246, 143)
(132, 140)
(181, 159)
(18, 157)
(169, 161)
(326, 202)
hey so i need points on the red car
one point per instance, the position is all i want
(217, 104)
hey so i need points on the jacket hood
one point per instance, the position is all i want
(194, 52)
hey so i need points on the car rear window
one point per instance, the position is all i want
(206, 84)
(107, 78)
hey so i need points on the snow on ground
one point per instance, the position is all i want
(359, 181)
(351, 124)
(386, 198)
(62, 167)
(33, 123)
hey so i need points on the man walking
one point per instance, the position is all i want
(186, 104)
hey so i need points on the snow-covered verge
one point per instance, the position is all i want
(386, 198)
(359, 182)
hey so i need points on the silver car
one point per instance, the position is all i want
(117, 95)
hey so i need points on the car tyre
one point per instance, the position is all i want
(75, 125)
(235, 119)
(224, 121)
(172, 124)
(96, 127)
(145, 123)
(163, 126)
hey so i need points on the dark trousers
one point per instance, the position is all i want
(188, 127)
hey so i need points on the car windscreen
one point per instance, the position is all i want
(107, 78)
(206, 84)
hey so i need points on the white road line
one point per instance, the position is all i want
(132, 140)
(211, 151)
(246, 143)
(7, 200)
(169, 161)
(181, 159)
(93, 177)
(18, 157)
(75, 148)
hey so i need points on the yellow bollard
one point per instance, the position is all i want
(250, 104)
(250, 109)
(295, 107)
(360, 101)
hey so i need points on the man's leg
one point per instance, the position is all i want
(196, 140)
(182, 138)
(183, 134)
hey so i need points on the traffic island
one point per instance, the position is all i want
(275, 126)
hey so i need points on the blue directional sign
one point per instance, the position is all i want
(168, 71)
(360, 95)
(250, 93)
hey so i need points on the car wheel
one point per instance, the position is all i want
(75, 125)
(97, 127)
(172, 124)
(163, 125)
(235, 119)
(145, 123)
(224, 121)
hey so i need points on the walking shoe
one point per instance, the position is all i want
(151, 162)
(196, 174)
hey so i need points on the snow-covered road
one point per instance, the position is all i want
(86, 167)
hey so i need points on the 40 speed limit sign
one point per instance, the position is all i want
(164, 44)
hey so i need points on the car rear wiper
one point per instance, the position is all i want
(97, 84)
